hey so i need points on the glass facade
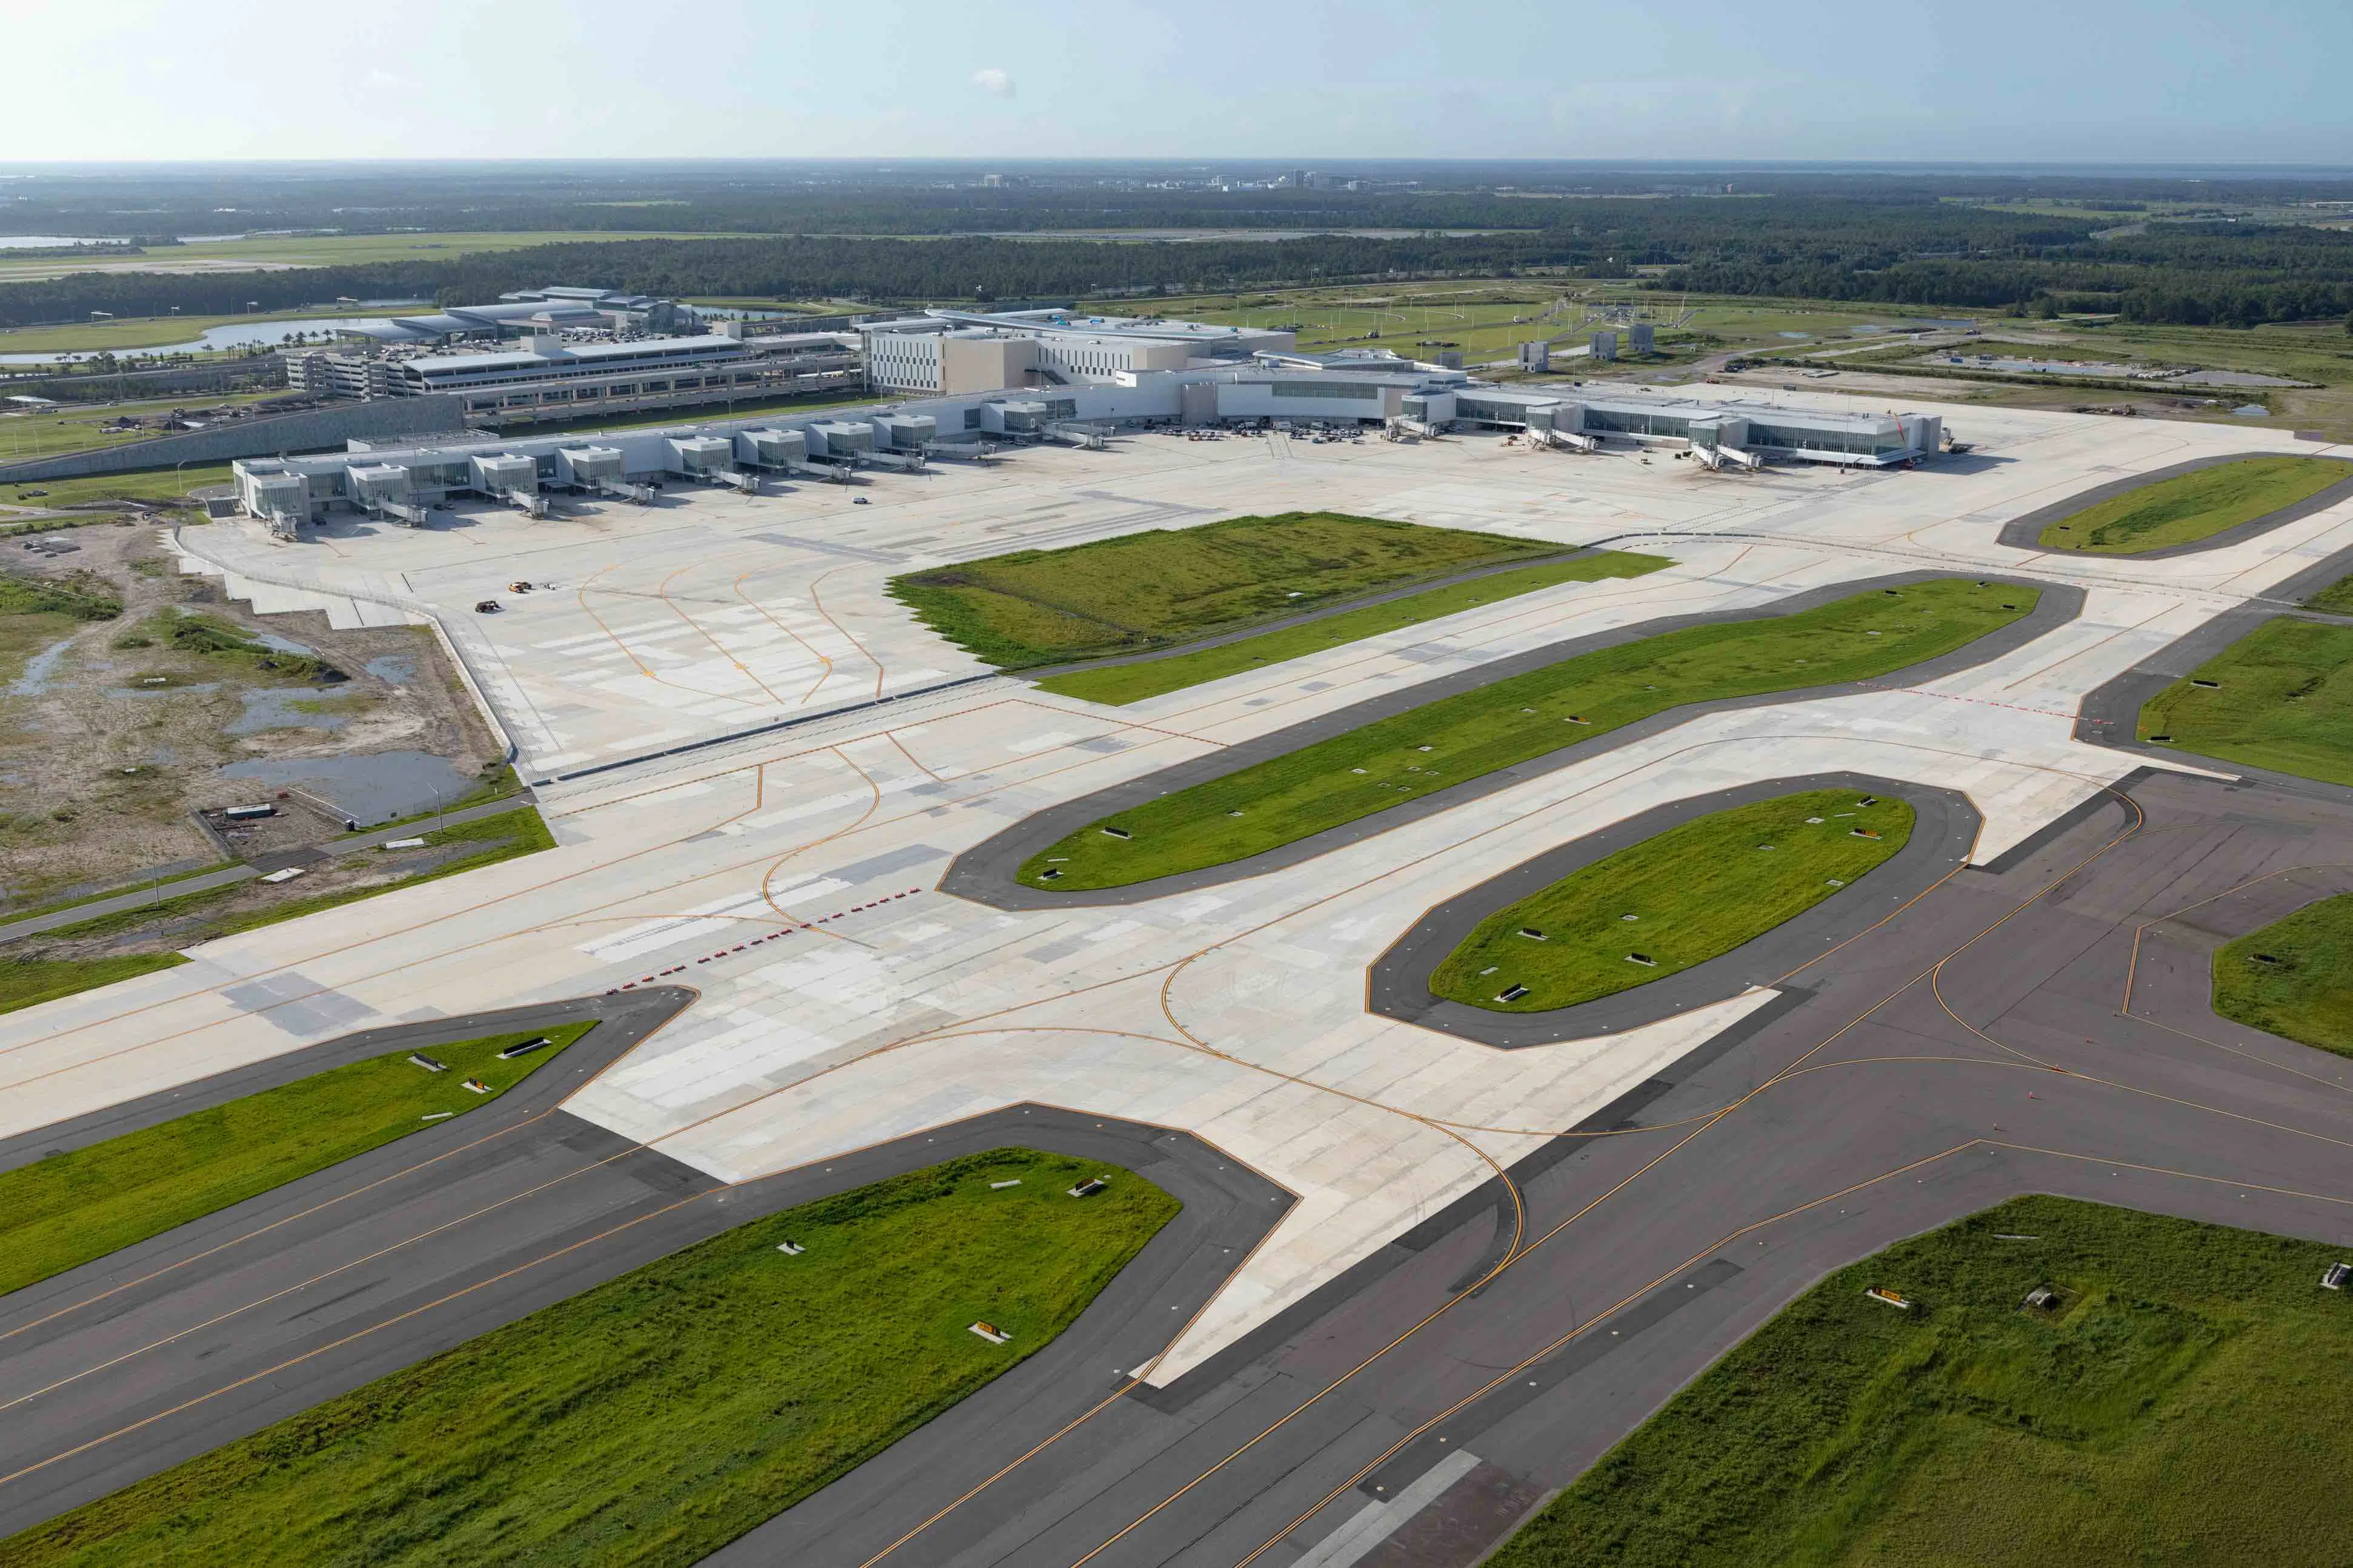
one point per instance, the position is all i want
(1804, 439)
(1632, 422)
(1490, 412)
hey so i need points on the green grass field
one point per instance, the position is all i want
(2295, 977)
(1677, 900)
(1386, 764)
(27, 982)
(2188, 1403)
(650, 1420)
(2282, 698)
(226, 910)
(2190, 507)
(150, 485)
(31, 619)
(2336, 598)
(64, 1211)
(1152, 590)
(1124, 683)
(150, 332)
(67, 428)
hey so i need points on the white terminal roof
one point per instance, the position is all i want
(637, 348)
(1057, 322)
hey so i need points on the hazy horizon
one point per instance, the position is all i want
(2192, 84)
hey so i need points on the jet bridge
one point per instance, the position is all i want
(1072, 434)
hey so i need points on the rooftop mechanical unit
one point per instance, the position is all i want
(589, 467)
(700, 454)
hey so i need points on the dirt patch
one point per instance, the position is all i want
(114, 731)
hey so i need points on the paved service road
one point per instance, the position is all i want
(1980, 1046)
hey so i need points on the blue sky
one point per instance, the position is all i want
(2076, 81)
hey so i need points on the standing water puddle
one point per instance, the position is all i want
(282, 709)
(375, 788)
(394, 670)
(38, 668)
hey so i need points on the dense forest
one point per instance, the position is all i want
(918, 197)
(1897, 247)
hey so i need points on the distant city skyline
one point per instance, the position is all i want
(2103, 81)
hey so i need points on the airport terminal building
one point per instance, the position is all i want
(949, 352)
(1273, 387)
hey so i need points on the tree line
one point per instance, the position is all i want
(1911, 252)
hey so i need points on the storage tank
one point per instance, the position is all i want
(369, 485)
(700, 454)
(906, 432)
(772, 448)
(505, 474)
(842, 438)
(589, 467)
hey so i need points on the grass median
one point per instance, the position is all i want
(652, 1419)
(1673, 901)
(2180, 1401)
(1124, 683)
(2193, 506)
(2290, 978)
(70, 1209)
(1385, 764)
(1145, 591)
(2281, 697)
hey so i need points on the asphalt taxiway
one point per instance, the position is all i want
(1985, 1045)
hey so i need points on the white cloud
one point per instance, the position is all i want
(993, 81)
